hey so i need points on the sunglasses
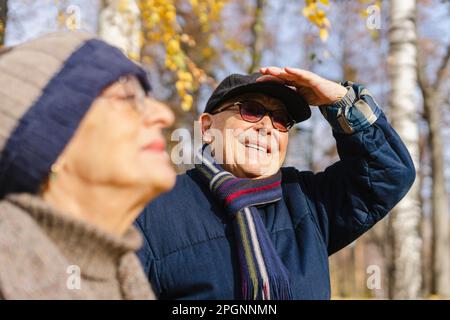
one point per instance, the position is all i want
(253, 111)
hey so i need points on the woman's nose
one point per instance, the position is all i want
(159, 113)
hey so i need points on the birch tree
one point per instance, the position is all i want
(257, 30)
(405, 218)
(120, 25)
(433, 99)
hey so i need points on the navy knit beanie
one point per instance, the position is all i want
(46, 87)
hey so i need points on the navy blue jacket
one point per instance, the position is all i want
(189, 251)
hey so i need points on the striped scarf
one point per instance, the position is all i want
(263, 275)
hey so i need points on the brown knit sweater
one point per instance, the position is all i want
(42, 250)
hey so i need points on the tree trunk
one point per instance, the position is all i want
(440, 251)
(406, 215)
(425, 220)
(120, 25)
(3, 17)
(257, 29)
(439, 200)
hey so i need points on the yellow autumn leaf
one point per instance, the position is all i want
(306, 11)
(161, 26)
(173, 46)
(323, 34)
(186, 104)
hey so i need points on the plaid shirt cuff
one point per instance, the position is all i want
(356, 111)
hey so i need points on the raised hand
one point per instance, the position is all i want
(317, 91)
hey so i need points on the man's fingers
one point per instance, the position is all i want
(270, 78)
(294, 79)
(291, 76)
(304, 74)
(274, 71)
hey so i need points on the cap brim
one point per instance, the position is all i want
(296, 106)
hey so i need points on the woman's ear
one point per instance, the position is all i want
(205, 120)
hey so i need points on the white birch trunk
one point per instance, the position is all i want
(120, 25)
(406, 215)
(432, 102)
(440, 208)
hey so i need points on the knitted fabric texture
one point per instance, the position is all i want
(46, 87)
(47, 254)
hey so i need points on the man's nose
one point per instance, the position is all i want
(265, 124)
(158, 113)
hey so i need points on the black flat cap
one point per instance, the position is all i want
(237, 84)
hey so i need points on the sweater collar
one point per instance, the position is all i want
(96, 252)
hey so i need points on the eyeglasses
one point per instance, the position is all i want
(134, 93)
(253, 111)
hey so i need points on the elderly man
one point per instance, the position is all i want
(239, 226)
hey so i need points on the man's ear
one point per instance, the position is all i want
(205, 120)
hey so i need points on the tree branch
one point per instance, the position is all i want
(257, 30)
(422, 79)
(441, 74)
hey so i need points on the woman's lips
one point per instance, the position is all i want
(155, 146)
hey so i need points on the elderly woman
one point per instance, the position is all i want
(239, 226)
(82, 153)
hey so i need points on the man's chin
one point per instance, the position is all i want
(256, 171)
